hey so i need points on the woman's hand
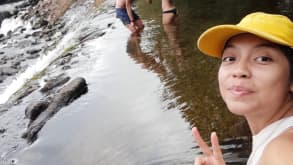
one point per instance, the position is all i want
(209, 157)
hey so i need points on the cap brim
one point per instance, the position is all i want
(213, 40)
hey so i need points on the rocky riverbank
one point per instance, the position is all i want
(31, 30)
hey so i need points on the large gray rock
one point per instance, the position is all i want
(66, 95)
(58, 81)
(34, 109)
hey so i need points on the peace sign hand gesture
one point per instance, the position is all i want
(209, 157)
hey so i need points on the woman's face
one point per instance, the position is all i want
(253, 76)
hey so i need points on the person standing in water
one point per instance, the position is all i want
(255, 81)
(169, 17)
(169, 12)
(127, 15)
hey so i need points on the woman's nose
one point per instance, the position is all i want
(241, 70)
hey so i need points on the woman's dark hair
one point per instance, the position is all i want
(288, 52)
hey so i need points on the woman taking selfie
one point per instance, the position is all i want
(255, 81)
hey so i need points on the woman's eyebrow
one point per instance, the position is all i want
(229, 46)
(268, 45)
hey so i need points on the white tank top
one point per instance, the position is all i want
(265, 136)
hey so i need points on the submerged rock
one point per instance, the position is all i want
(58, 81)
(66, 95)
(2, 130)
(34, 109)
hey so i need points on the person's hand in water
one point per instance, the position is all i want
(212, 156)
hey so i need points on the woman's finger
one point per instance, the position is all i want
(199, 161)
(216, 147)
(203, 146)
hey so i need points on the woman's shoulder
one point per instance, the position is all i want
(279, 150)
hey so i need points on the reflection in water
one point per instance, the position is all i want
(191, 79)
(171, 32)
(147, 60)
(236, 149)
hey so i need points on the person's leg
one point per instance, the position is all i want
(139, 24)
(121, 13)
(169, 16)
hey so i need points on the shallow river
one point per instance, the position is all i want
(146, 93)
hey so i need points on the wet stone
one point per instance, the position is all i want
(66, 67)
(33, 51)
(33, 56)
(2, 130)
(74, 62)
(27, 36)
(15, 65)
(37, 33)
(34, 109)
(64, 61)
(25, 43)
(2, 62)
(7, 71)
(13, 162)
(48, 39)
(22, 29)
(2, 79)
(35, 42)
(63, 97)
(37, 24)
(4, 58)
(19, 55)
(55, 82)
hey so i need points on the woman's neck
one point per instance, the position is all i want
(259, 122)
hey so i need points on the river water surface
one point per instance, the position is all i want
(145, 93)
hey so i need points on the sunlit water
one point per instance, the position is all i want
(144, 93)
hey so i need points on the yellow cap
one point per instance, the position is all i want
(272, 27)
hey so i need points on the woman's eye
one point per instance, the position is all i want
(228, 59)
(263, 59)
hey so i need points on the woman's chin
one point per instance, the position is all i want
(239, 109)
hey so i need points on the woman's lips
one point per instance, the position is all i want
(240, 90)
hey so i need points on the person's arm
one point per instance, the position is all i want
(129, 10)
(209, 157)
(279, 151)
